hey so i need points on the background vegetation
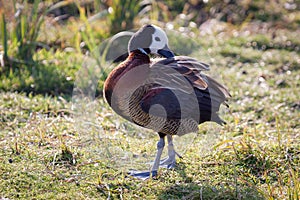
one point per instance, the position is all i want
(252, 46)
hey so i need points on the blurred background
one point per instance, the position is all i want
(47, 40)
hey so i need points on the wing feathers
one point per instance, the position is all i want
(181, 76)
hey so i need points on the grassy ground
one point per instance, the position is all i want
(49, 152)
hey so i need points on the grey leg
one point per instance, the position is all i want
(153, 172)
(170, 162)
(160, 148)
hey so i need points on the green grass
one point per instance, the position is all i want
(49, 151)
(256, 156)
(42, 156)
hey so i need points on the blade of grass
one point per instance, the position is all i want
(4, 36)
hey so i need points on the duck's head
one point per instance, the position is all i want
(150, 39)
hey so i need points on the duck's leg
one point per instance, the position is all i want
(160, 148)
(153, 172)
(170, 161)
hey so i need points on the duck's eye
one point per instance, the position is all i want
(157, 39)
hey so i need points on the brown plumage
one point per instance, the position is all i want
(169, 95)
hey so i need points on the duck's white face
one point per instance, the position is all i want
(159, 39)
(150, 39)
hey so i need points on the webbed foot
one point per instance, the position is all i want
(142, 175)
(168, 163)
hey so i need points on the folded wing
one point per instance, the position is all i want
(181, 91)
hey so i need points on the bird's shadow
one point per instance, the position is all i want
(202, 189)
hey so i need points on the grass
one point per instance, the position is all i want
(43, 157)
(49, 150)
(255, 156)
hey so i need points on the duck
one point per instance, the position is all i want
(170, 94)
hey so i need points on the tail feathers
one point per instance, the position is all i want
(217, 119)
(217, 89)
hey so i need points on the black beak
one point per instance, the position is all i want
(166, 52)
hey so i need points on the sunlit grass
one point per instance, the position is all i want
(255, 156)
(49, 151)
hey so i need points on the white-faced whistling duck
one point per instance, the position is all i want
(169, 95)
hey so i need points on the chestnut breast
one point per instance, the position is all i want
(124, 80)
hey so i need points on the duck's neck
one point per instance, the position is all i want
(135, 59)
